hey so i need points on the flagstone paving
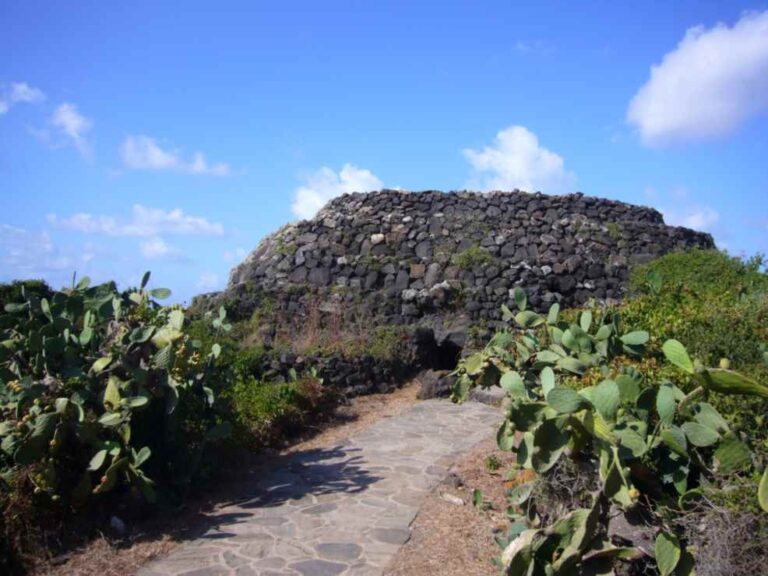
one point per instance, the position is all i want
(341, 510)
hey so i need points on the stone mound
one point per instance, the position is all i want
(398, 257)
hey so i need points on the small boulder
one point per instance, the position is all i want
(434, 384)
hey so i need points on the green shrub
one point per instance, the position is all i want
(13, 292)
(718, 306)
(389, 342)
(472, 257)
(704, 272)
(101, 389)
(649, 434)
(265, 412)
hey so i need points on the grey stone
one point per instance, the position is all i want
(391, 535)
(432, 275)
(371, 278)
(299, 275)
(318, 568)
(320, 276)
(402, 280)
(320, 509)
(342, 551)
(434, 384)
(424, 249)
(409, 295)
(566, 284)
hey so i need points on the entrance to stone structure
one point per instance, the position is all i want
(445, 356)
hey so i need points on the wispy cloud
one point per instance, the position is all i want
(713, 81)
(517, 160)
(325, 184)
(25, 254)
(19, 93)
(698, 217)
(23, 92)
(680, 209)
(143, 222)
(156, 248)
(73, 126)
(144, 153)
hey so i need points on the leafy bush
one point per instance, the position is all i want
(265, 412)
(388, 342)
(13, 292)
(704, 272)
(718, 306)
(101, 389)
(654, 447)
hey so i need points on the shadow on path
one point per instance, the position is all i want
(273, 481)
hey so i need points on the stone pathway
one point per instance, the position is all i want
(344, 509)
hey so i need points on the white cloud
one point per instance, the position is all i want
(517, 160)
(236, 255)
(156, 248)
(698, 217)
(143, 222)
(25, 254)
(144, 153)
(208, 281)
(20, 93)
(325, 184)
(708, 86)
(23, 92)
(73, 125)
(683, 211)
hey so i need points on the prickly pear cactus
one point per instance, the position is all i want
(650, 442)
(90, 382)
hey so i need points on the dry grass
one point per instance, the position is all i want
(108, 558)
(453, 540)
(326, 324)
(727, 542)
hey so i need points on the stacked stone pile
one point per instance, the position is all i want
(399, 256)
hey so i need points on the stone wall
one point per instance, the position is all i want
(399, 257)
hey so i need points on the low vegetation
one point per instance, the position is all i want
(264, 413)
(472, 257)
(650, 455)
(109, 398)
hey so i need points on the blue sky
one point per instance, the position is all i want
(173, 136)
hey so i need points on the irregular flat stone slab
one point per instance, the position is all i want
(342, 510)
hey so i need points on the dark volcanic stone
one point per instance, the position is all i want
(402, 280)
(320, 276)
(364, 250)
